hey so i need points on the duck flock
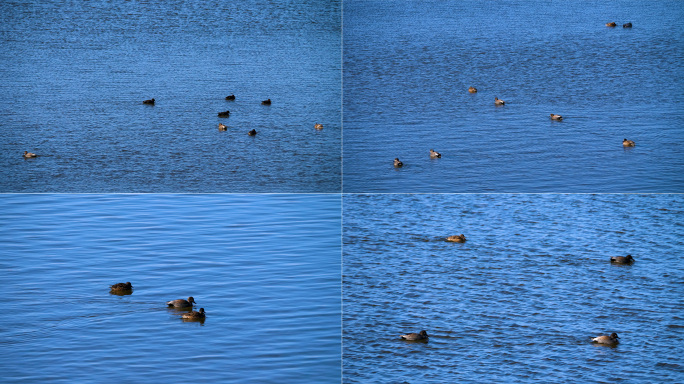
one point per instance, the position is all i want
(123, 289)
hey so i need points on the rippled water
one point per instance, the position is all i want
(266, 268)
(520, 300)
(408, 65)
(74, 75)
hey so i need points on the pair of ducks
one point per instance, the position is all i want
(433, 155)
(124, 288)
(423, 336)
(497, 101)
(222, 127)
(265, 102)
(613, 24)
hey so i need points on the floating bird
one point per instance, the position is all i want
(222, 127)
(556, 117)
(628, 143)
(231, 97)
(121, 287)
(180, 303)
(194, 315)
(611, 24)
(416, 336)
(472, 90)
(266, 102)
(610, 340)
(398, 163)
(28, 154)
(253, 132)
(457, 238)
(224, 114)
(318, 126)
(435, 155)
(150, 101)
(622, 259)
(498, 102)
(626, 25)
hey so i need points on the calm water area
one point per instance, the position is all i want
(266, 269)
(408, 65)
(520, 300)
(74, 75)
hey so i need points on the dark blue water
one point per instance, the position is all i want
(520, 300)
(73, 77)
(266, 269)
(408, 65)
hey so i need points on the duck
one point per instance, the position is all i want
(121, 287)
(231, 97)
(435, 155)
(222, 127)
(622, 259)
(180, 303)
(610, 340)
(194, 315)
(457, 238)
(556, 117)
(398, 163)
(472, 90)
(224, 114)
(28, 154)
(266, 102)
(318, 126)
(611, 24)
(253, 132)
(627, 25)
(497, 101)
(416, 336)
(628, 143)
(150, 101)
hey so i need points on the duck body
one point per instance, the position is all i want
(28, 154)
(231, 97)
(318, 126)
(457, 238)
(121, 287)
(498, 101)
(150, 101)
(611, 24)
(180, 303)
(398, 163)
(628, 143)
(224, 114)
(608, 340)
(266, 102)
(627, 25)
(422, 336)
(253, 132)
(222, 127)
(472, 90)
(435, 155)
(194, 315)
(622, 259)
(556, 117)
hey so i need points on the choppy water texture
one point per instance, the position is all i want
(408, 65)
(265, 268)
(520, 300)
(74, 75)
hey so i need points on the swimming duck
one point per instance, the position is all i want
(435, 155)
(498, 102)
(398, 163)
(416, 336)
(610, 340)
(224, 114)
(194, 315)
(120, 287)
(150, 101)
(622, 259)
(472, 90)
(611, 24)
(556, 117)
(457, 238)
(627, 25)
(231, 97)
(318, 126)
(28, 154)
(628, 143)
(222, 127)
(180, 303)
(253, 132)
(266, 102)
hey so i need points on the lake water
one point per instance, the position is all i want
(266, 268)
(520, 300)
(74, 75)
(408, 65)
